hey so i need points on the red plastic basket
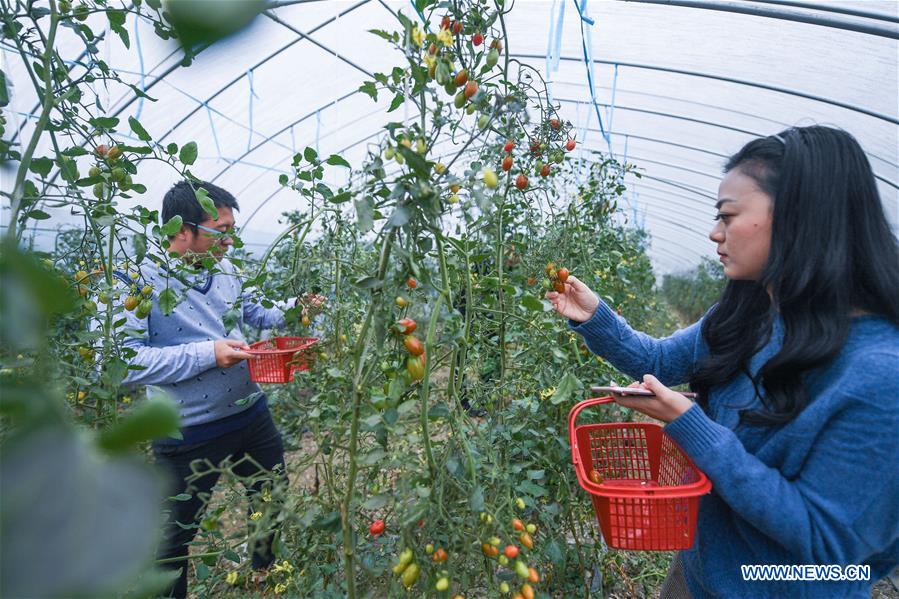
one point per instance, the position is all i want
(279, 358)
(649, 495)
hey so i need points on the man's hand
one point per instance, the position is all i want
(665, 406)
(228, 353)
(577, 303)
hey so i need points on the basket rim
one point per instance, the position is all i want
(254, 349)
(612, 491)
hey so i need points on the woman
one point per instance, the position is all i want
(797, 370)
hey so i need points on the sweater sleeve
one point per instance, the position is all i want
(259, 316)
(670, 359)
(163, 365)
(840, 508)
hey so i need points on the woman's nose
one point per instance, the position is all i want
(717, 233)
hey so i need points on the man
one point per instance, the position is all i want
(190, 356)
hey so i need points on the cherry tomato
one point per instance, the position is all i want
(521, 182)
(376, 528)
(517, 524)
(461, 78)
(471, 88)
(569, 145)
(526, 540)
(440, 555)
(554, 123)
(533, 576)
(408, 325)
(562, 273)
(477, 39)
(595, 477)
(445, 22)
(457, 27)
(510, 145)
(401, 302)
(411, 283)
(511, 551)
(545, 170)
(413, 345)
(527, 591)
(415, 366)
(559, 286)
(507, 163)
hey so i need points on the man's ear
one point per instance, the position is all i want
(183, 234)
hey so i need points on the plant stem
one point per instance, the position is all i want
(359, 357)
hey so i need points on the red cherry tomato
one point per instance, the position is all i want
(376, 528)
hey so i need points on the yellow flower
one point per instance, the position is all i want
(547, 393)
(283, 567)
(430, 61)
(445, 37)
(266, 496)
(280, 588)
(231, 578)
(418, 36)
(255, 516)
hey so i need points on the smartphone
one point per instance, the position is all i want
(634, 391)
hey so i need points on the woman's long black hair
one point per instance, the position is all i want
(832, 252)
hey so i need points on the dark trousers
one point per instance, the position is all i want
(261, 442)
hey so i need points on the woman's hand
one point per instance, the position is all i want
(665, 406)
(577, 303)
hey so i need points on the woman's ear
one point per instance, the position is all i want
(183, 234)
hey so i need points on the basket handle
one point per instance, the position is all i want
(572, 417)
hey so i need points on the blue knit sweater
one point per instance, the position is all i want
(821, 489)
(177, 357)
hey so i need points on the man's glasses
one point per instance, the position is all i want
(231, 232)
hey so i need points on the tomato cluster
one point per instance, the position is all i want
(557, 277)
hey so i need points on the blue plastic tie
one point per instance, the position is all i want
(215, 136)
(588, 61)
(420, 16)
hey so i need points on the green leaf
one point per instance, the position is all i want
(566, 387)
(369, 283)
(335, 160)
(371, 89)
(140, 247)
(231, 319)
(138, 129)
(150, 419)
(188, 153)
(376, 502)
(41, 166)
(105, 122)
(476, 500)
(533, 304)
(397, 102)
(310, 154)
(365, 211)
(168, 299)
(38, 215)
(4, 93)
(382, 34)
(173, 225)
(206, 203)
